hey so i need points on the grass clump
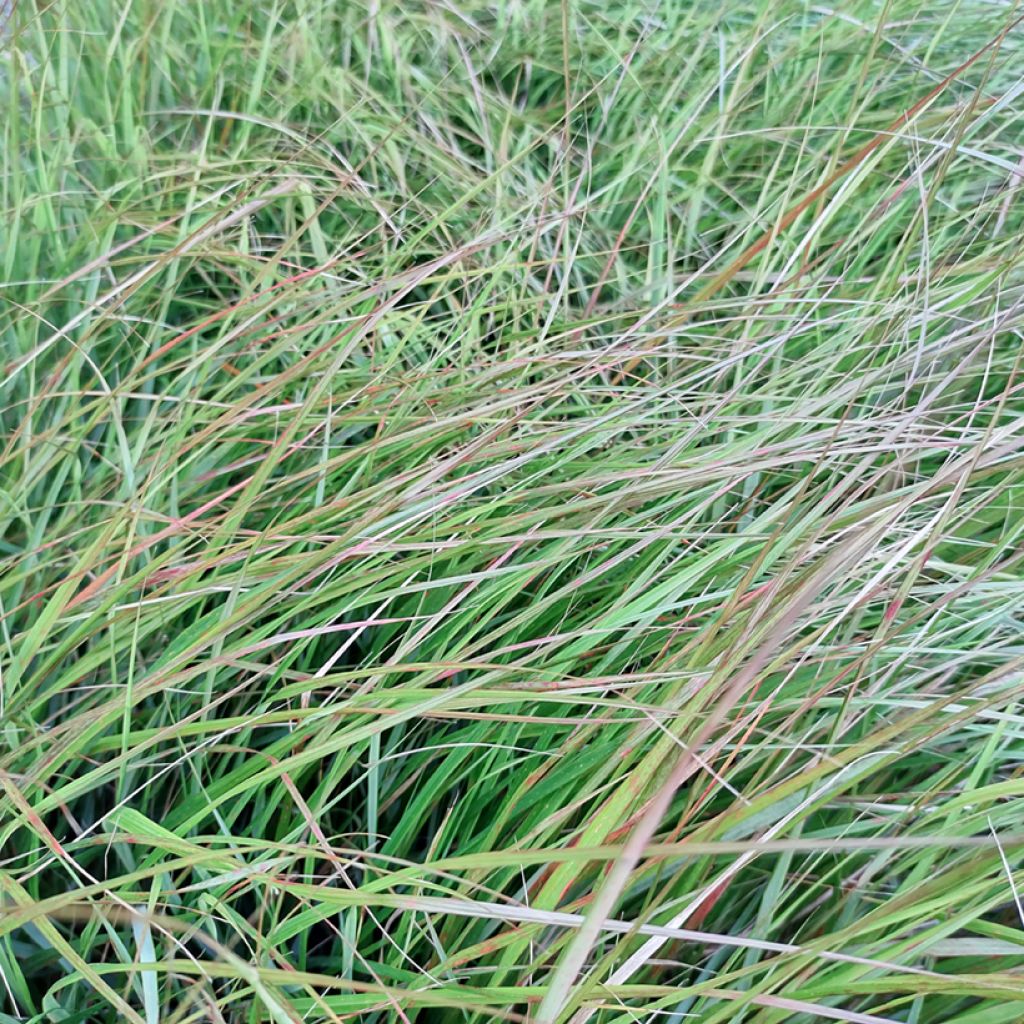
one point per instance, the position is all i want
(511, 511)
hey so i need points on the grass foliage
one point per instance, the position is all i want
(511, 510)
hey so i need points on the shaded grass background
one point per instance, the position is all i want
(398, 532)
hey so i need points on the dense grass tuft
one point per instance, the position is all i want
(511, 511)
